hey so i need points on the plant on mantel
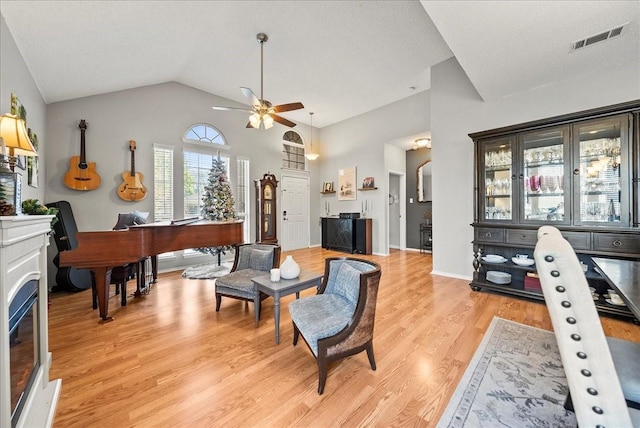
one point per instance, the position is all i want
(33, 207)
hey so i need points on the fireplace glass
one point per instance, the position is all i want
(23, 352)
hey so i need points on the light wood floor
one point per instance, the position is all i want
(169, 360)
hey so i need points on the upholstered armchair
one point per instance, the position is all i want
(601, 372)
(250, 260)
(338, 321)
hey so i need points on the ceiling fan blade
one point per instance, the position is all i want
(251, 97)
(283, 121)
(232, 108)
(287, 107)
(249, 125)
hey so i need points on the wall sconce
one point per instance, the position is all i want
(13, 136)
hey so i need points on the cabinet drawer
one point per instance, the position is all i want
(522, 237)
(578, 240)
(616, 242)
(489, 234)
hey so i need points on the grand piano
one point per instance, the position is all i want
(101, 251)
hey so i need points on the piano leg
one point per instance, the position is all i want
(103, 279)
(154, 268)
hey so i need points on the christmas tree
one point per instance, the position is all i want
(218, 203)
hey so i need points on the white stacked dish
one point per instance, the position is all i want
(494, 258)
(520, 261)
(498, 277)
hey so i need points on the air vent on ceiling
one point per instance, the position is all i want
(614, 32)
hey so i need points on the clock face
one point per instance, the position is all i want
(268, 192)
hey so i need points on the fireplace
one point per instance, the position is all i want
(27, 397)
(23, 347)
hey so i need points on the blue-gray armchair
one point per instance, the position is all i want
(251, 260)
(338, 321)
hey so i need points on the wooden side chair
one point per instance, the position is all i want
(250, 260)
(601, 372)
(338, 321)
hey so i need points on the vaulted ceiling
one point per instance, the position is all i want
(340, 58)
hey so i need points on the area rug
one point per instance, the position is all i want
(515, 379)
(207, 270)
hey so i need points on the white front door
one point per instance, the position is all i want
(295, 213)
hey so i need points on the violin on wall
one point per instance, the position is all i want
(131, 188)
(81, 175)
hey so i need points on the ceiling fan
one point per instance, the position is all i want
(263, 113)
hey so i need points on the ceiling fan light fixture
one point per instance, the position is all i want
(254, 120)
(311, 155)
(267, 120)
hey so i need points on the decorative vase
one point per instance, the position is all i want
(289, 269)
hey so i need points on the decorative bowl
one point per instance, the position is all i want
(494, 258)
(522, 261)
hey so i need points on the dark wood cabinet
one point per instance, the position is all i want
(352, 235)
(579, 173)
(266, 209)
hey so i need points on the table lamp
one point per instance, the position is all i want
(13, 136)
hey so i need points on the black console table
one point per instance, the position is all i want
(352, 235)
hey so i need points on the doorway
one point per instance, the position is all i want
(294, 217)
(396, 224)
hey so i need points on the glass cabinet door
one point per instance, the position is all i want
(543, 179)
(496, 179)
(601, 172)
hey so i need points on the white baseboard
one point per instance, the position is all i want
(451, 275)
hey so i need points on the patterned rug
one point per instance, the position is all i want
(207, 270)
(515, 379)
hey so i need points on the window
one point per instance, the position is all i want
(204, 133)
(162, 183)
(243, 193)
(196, 175)
(293, 151)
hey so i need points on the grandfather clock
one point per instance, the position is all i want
(266, 209)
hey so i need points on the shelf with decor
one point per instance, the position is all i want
(578, 172)
(368, 188)
(325, 192)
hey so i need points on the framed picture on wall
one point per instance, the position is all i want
(327, 186)
(347, 184)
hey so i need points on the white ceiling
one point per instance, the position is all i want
(339, 58)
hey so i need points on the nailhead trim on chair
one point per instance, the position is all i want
(562, 297)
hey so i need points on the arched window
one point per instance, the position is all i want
(293, 151)
(204, 133)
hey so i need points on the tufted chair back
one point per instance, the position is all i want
(597, 397)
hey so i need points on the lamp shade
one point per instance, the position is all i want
(15, 137)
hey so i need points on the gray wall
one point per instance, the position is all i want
(458, 110)
(17, 79)
(362, 141)
(415, 210)
(157, 114)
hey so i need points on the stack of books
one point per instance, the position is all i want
(532, 282)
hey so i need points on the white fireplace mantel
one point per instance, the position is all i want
(23, 258)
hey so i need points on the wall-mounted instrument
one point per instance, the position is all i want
(81, 175)
(132, 188)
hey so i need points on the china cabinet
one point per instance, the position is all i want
(578, 172)
(266, 209)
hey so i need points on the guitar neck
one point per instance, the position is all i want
(132, 147)
(83, 156)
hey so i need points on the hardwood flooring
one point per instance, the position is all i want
(169, 360)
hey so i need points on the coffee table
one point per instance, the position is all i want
(306, 279)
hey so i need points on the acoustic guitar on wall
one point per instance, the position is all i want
(132, 188)
(81, 175)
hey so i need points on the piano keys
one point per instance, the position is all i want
(101, 251)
